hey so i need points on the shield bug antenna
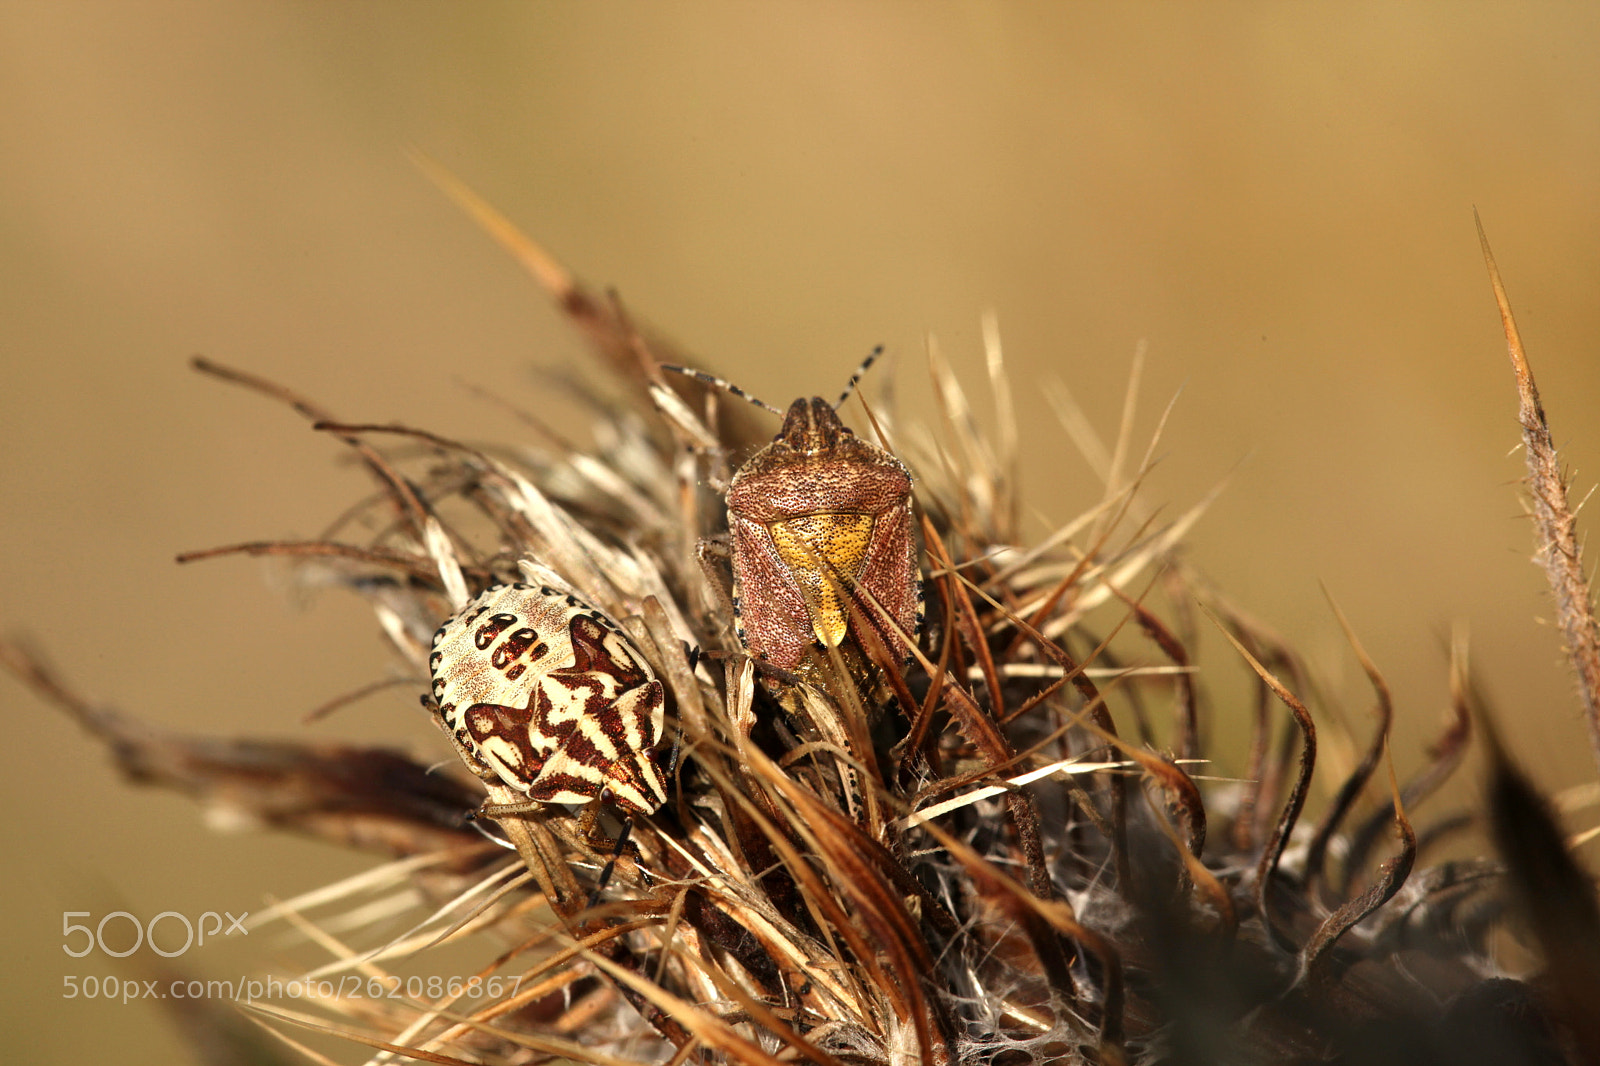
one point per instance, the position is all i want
(727, 386)
(855, 379)
(813, 517)
(722, 383)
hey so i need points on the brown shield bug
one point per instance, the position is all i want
(546, 694)
(817, 518)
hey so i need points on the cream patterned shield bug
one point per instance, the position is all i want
(546, 694)
(817, 517)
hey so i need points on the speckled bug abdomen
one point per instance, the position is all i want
(548, 694)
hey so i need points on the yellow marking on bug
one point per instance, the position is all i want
(810, 546)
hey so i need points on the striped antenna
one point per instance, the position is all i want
(722, 383)
(872, 357)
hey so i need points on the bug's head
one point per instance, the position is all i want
(812, 426)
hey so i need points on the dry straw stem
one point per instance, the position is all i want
(978, 855)
(1555, 524)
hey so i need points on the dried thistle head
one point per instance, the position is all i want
(969, 844)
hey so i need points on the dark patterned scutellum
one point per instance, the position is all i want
(820, 520)
(547, 695)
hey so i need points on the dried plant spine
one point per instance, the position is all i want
(1554, 520)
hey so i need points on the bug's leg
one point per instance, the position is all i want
(673, 754)
(617, 849)
(713, 554)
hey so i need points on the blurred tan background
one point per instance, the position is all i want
(1276, 198)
